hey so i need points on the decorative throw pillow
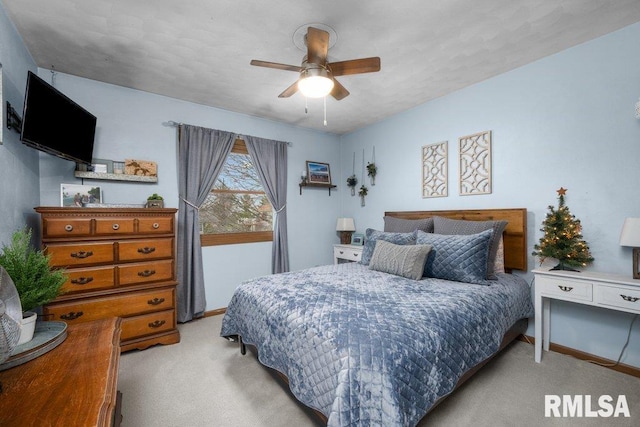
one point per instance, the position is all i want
(371, 236)
(401, 260)
(456, 226)
(400, 225)
(462, 258)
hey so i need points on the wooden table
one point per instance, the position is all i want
(74, 384)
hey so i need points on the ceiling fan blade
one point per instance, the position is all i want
(355, 66)
(317, 46)
(339, 92)
(275, 65)
(289, 91)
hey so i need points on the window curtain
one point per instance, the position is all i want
(201, 155)
(270, 160)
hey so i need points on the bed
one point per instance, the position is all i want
(364, 346)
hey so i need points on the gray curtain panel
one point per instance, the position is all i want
(201, 155)
(270, 160)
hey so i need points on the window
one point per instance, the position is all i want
(237, 209)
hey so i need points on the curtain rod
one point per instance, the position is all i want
(171, 123)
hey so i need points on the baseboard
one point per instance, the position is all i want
(215, 312)
(626, 369)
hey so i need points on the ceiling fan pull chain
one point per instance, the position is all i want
(325, 110)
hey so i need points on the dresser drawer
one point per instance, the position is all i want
(123, 305)
(114, 226)
(147, 324)
(565, 289)
(618, 297)
(156, 225)
(145, 272)
(85, 279)
(65, 227)
(139, 250)
(347, 253)
(76, 254)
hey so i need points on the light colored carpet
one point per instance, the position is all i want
(205, 381)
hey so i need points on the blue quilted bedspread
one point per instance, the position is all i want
(368, 348)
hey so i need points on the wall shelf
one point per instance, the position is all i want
(115, 177)
(314, 185)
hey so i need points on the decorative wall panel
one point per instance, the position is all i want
(475, 164)
(435, 177)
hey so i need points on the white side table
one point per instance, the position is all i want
(350, 253)
(612, 291)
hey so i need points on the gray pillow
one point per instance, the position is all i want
(371, 236)
(457, 226)
(462, 258)
(400, 225)
(401, 260)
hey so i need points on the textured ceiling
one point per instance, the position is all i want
(199, 50)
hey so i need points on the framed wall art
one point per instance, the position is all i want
(475, 164)
(318, 173)
(435, 174)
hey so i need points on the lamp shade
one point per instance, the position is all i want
(630, 235)
(345, 224)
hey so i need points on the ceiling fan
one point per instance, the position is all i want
(317, 76)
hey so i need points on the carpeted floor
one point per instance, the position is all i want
(205, 381)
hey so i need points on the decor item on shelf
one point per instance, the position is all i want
(357, 239)
(475, 164)
(155, 201)
(140, 167)
(630, 236)
(562, 238)
(346, 227)
(303, 177)
(118, 167)
(36, 282)
(10, 315)
(318, 173)
(435, 173)
(102, 165)
(362, 193)
(79, 195)
(372, 169)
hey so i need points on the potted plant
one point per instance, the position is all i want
(36, 282)
(352, 181)
(155, 201)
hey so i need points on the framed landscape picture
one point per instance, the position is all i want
(318, 173)
(78, 195)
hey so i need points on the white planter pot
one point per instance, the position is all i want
(27, 326)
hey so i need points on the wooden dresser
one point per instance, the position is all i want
(75, 384)
(121, 262)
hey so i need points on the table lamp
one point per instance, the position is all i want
(346, 227)
(630, 236)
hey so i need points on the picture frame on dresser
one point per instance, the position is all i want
(74, 195)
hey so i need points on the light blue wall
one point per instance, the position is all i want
(566, 120)
(19, 187)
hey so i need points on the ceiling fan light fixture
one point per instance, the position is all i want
(315, 83)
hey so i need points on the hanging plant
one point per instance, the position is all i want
(362, 193)
(352, 181)
(372, 170)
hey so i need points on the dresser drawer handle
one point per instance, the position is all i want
(82, 280)
(71, 316)
(157, 324)
(565, 288)
(629, 299)
(155, 301)
(115, 226)
(146, 273)
(156, 225)
(341, 252)
(81, 254)
(355, 254)
(146, 250)
(68, 227)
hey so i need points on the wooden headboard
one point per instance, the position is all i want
(515, 234)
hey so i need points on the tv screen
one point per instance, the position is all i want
(53, 123)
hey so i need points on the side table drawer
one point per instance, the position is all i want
(565, 289)
(347, 253)
(618, 297)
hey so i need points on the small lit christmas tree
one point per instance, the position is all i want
(562, 239)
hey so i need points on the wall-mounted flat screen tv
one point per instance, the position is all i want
(53, 123)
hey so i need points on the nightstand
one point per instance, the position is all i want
(612, 291)
(348, 253)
